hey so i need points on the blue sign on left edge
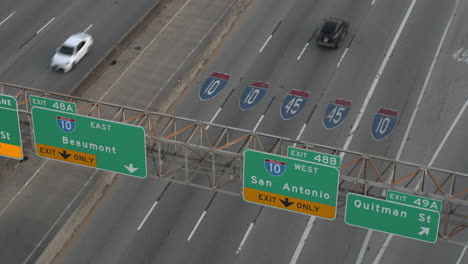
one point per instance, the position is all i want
(213, 85)
(253, 94)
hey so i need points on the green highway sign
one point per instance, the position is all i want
(390, 217)
(52, 104)
(312, 156)
(414, 200)
(90, 141)
(290, 184)
(10, 134)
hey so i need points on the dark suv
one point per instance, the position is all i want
(331, 32)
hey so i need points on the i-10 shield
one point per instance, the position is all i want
(213, 85)
(252, 95)
(383, 123)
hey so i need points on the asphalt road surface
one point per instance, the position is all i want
(396, 56)
(389, 58)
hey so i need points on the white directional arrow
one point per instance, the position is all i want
(424, 231)
(130, 168)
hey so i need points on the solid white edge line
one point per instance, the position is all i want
(143, 51)
(342, 57)
(426, 82)
(264, 44)
(301, 244)
(214, 117)
(373, 2)
(42, 28)
(244, 238)
(8, 17)
(448, 133)
(364, 247)
(382, 250)
(303, 50)
(462, 254)
(258, 123)
(196, 226)
(86, 30)
(388, 54)
(22, 188)
(60, 217)
(147, 215)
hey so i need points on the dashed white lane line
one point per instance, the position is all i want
(388, 54)
(382, 250)
(342, 57)
(8, 17)
(373, 2)
(196, 226)
(264, 44)
(214, 117)
(299, 247)
(22, 188)
(88, 28)
(245, 238)
(147, 215)
(258, 123)
(303, 50)
(43, 27)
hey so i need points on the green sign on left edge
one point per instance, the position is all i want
(90, 142)
(391, 217)
(10, 134)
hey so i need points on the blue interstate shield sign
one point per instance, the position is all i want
(66, 124)
(383, 123)
(274, 167)
(213, 85)
(336, 113)
(293, 103)
(252, 94)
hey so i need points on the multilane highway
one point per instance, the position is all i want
(390, 59)
(400, 56)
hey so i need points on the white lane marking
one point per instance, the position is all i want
(377, 77)
(302, 52)
(373, 2)
(258, 123)
(426, 82)
(22, 188)
(264, 44)
(244, 238)
(187, 57)
(448, 133)
(342, 57)
(42, 28)
(364, 247)
(143, 51)
(8, 17)
(413, 115)
(299, 247)
(147, 215)
(214, 117)
(88, 28)
(300, 132)
(382, 250)
(196, 226)
(60, 217)
(462, 254)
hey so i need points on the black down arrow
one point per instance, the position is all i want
(64, 154)
(286, 202)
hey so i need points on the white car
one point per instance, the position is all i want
(71, 51)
